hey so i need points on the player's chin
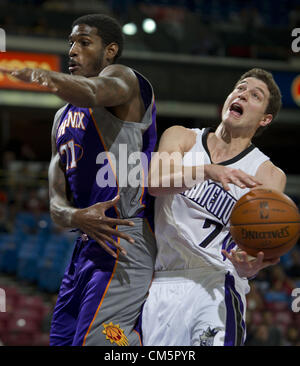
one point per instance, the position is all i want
(76, 71)
(232, 122)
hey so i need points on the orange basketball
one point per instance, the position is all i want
(265, 220)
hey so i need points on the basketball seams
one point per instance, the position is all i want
(266, 223)
(278, 246)
(272, 199)
(272, 223)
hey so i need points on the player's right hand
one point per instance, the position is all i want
(28, 75)
(226, 175)
(247, 266)
(94, 223)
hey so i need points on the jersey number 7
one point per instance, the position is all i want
(218, 228)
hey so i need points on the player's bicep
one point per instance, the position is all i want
(177, 139)
(57, 180)
(170, 143)
(167, 161)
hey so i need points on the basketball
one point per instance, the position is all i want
(265, 220)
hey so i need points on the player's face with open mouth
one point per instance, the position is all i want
(86, 54)
(246, 105)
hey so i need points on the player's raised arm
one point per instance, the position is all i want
(95, 80)
(168, 175)
(115, 85)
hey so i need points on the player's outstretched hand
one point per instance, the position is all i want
(29, 75)
(247, 266)
(226, 175)
(93, 222)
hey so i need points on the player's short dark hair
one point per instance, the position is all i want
(108, 29)
(275, 103)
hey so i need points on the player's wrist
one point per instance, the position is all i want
(206, 171)
(248, 277)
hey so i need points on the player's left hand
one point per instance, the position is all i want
(29, 75)
(247, 266)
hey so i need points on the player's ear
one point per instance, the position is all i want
(111, 51)
(267, 119)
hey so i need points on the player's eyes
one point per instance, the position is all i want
(256, 95)
(84, 43)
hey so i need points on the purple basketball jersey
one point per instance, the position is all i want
(91, 144)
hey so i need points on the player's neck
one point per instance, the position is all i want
(223, 145)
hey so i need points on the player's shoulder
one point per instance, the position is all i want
(123, 73)
(271, 167)
(185, 137)
(118, 70)
(179, 132)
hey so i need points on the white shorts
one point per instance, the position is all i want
(186, 309)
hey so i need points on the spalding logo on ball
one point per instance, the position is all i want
(265, 220)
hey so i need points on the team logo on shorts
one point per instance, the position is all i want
(115, 334)
(208, 335)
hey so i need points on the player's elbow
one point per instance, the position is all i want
(53, 215)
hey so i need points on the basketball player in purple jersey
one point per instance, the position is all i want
(109, 105)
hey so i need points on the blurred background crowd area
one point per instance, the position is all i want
(34, 254)
(250, 28)
(189, 91)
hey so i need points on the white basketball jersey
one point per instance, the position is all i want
(192, 227)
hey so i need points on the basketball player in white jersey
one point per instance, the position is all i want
(198, 292)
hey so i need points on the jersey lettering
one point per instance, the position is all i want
(73, 120)
(213, 198)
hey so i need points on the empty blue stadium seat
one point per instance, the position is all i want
(9, 248)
